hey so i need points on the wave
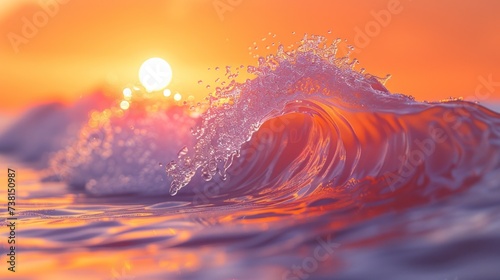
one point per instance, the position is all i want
(308, 122)
(323, 124)
(48, 128)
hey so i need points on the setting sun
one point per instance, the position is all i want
(155, 74)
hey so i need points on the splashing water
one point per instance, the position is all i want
(362, 114)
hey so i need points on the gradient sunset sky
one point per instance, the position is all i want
(433, 49)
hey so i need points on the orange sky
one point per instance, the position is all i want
(433, 49)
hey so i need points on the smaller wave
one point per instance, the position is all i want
(48, 128)
(120, 152)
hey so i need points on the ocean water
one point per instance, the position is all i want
(309, 170)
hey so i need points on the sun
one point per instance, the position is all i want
(155, 74)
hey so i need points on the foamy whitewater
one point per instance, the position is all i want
(309, 154)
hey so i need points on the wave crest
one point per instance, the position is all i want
(357, 129)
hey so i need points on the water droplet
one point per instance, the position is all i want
(182, 152)
(174, 188)
(206, 175)
(200, 82)
(251, 69)
(212, 166)
(170, 166)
